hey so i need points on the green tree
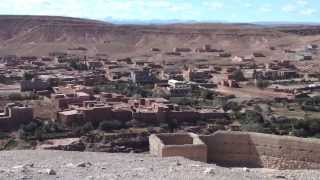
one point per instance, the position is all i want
(238, 75)
(28, 76)
(262, 84)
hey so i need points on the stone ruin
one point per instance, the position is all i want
(240, 149)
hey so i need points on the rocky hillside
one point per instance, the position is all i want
(100, 166)
(39, 35)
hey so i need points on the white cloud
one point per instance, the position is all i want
(300, 7)
(302, 2)
(289, 8)
(214, 5)
(308, 11)
(265, 8)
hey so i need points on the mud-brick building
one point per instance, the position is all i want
(14, 115)
(94, 114)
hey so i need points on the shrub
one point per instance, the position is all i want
(110, 125)
(262, 84)
(28, 76)
(15, 97)
(238, 75)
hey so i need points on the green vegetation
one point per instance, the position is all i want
(128, 89)
(311, 104)
(264, 119)
(22, 96)
(41, 130)
(81, 130)
(75, 64)
(262, 84)
(238, 75)
(110, 125)
(28, 76)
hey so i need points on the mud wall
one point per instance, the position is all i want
(262, 150)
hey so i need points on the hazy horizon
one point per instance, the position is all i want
(232, 11)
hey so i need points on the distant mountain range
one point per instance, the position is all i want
(177, 21)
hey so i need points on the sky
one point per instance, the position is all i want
(197, 10)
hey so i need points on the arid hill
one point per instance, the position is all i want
(39, 35)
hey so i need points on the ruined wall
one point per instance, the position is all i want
(185, 145)
(240, 149)
(262, 150)
(193, 152)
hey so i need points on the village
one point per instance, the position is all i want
(100, 103)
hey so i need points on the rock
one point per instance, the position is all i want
(48, 171)
(178, 163)
(2, 171)
(70, 165)
(84, 164)
(245, 169)
(280, 177)
(24, 166)
(195, 165)
(172, 169)
(209, 171)
(90, 178)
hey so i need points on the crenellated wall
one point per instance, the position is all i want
(247, 149)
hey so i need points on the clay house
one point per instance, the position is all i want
(63, 101)
(224, 55)
(11, 60)
(65, 96)
(258, 55)
(303, 56)
(273, 75)
(197, 75)
(118, 73)
(36, 84)
(173, 53)
(112, 97)
(92, 65)
(200, 50)
(289, 51)
(144, 76)
(229, 83)
(238, 59)
(127, 61)
(207, 48)
(14, 115)
(178, 88)
(312, 48)
(155, 49)
(294, 89)
(171, 73)
(90, 112)
(92, 78)
(182, 50)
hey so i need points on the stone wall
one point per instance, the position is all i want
(243, 149)
(185, 145)
(262, 150)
